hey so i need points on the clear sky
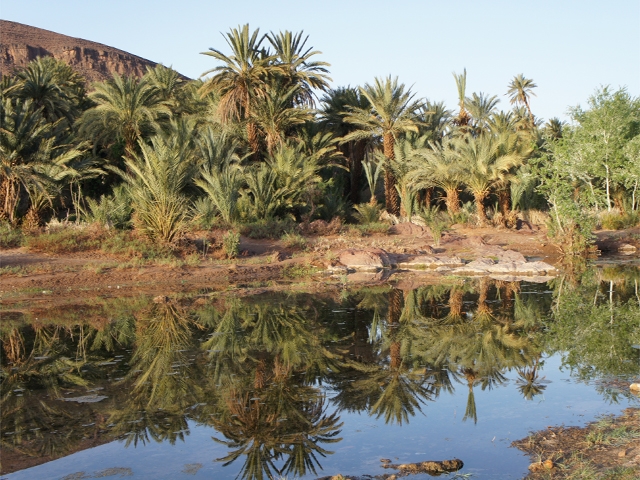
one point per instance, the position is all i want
(568, 47)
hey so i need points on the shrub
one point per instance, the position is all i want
(367, 213)
(9, 237)
(273, 228)
(68, 239)
(437, 222)
(294, 240)
(111, 211)
(231, 244)
(617, 221)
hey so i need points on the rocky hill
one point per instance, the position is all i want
(19, 44)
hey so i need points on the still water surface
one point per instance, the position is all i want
(305, 386)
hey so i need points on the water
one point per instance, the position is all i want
(306, 386)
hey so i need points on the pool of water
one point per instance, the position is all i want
(306, 386)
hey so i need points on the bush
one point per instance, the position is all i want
(9, 237)
(231, 244)
(367, 213)
(111, 211)
(617, 221)
(294, 241)
(437, 222)
(69, 239)
(267, 228)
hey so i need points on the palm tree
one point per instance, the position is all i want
(241, 79)
(275, 115)
(485, 160)
(336, 104)
(53, 86)
(392, 113)
(481, 108)
(463, 118)
(442, 169)
(296, 67)
(520, 90)
(155, 181)
(127, 109)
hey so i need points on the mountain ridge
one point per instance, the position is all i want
(20, 44)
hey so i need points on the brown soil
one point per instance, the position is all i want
(609, 448)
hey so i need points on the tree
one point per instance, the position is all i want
(241, 79)
(486, 161)
(296, 68)
(392, 113)
(128, 109)
(520, 91)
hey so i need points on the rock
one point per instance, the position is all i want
(627, 249)
(407, 228)
(422, 262)
(511, 256)
(635, 387)
(364, 259)
(488, 266)
(541, 466)
(161, 299)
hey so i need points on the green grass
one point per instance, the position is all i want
(294, 241)
(298, 270)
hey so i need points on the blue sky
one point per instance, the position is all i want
(568, 48)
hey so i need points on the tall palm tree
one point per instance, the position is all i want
(241, 79)
(520, 91)
(297, 68)
(392, 113)
(336, 104)
(463, 118)
(127, 108)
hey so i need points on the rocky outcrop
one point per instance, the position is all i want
(364, 259)
(20, 44)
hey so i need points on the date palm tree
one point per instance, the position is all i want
(241, 79)
(128, 109)
(486, 160)
(337, 102)
(392, 113)
(297, 68)
(520, 91)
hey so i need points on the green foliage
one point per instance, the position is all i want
(273, 228)
(222, 187)
(294, 241)
(367, 213)
(10, 237)
(231, 244)
(69, 239)
(437, 222)
(155, 182)
(111, 210)
(618, 221)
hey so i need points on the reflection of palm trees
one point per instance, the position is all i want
(283, 423)
(392, 388)
(263, 415)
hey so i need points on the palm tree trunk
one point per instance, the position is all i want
(482, 214)
(504, 199)
(452, 200)
(392, 199)
(428, 196)
(395, 311)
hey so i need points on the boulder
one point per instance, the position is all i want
(421, 262)
(408, 229)
(364, 259)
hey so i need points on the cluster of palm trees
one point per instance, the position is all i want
(248, 142)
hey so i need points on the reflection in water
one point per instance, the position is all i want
(272, 375)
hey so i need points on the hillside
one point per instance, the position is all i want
(19, 44)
